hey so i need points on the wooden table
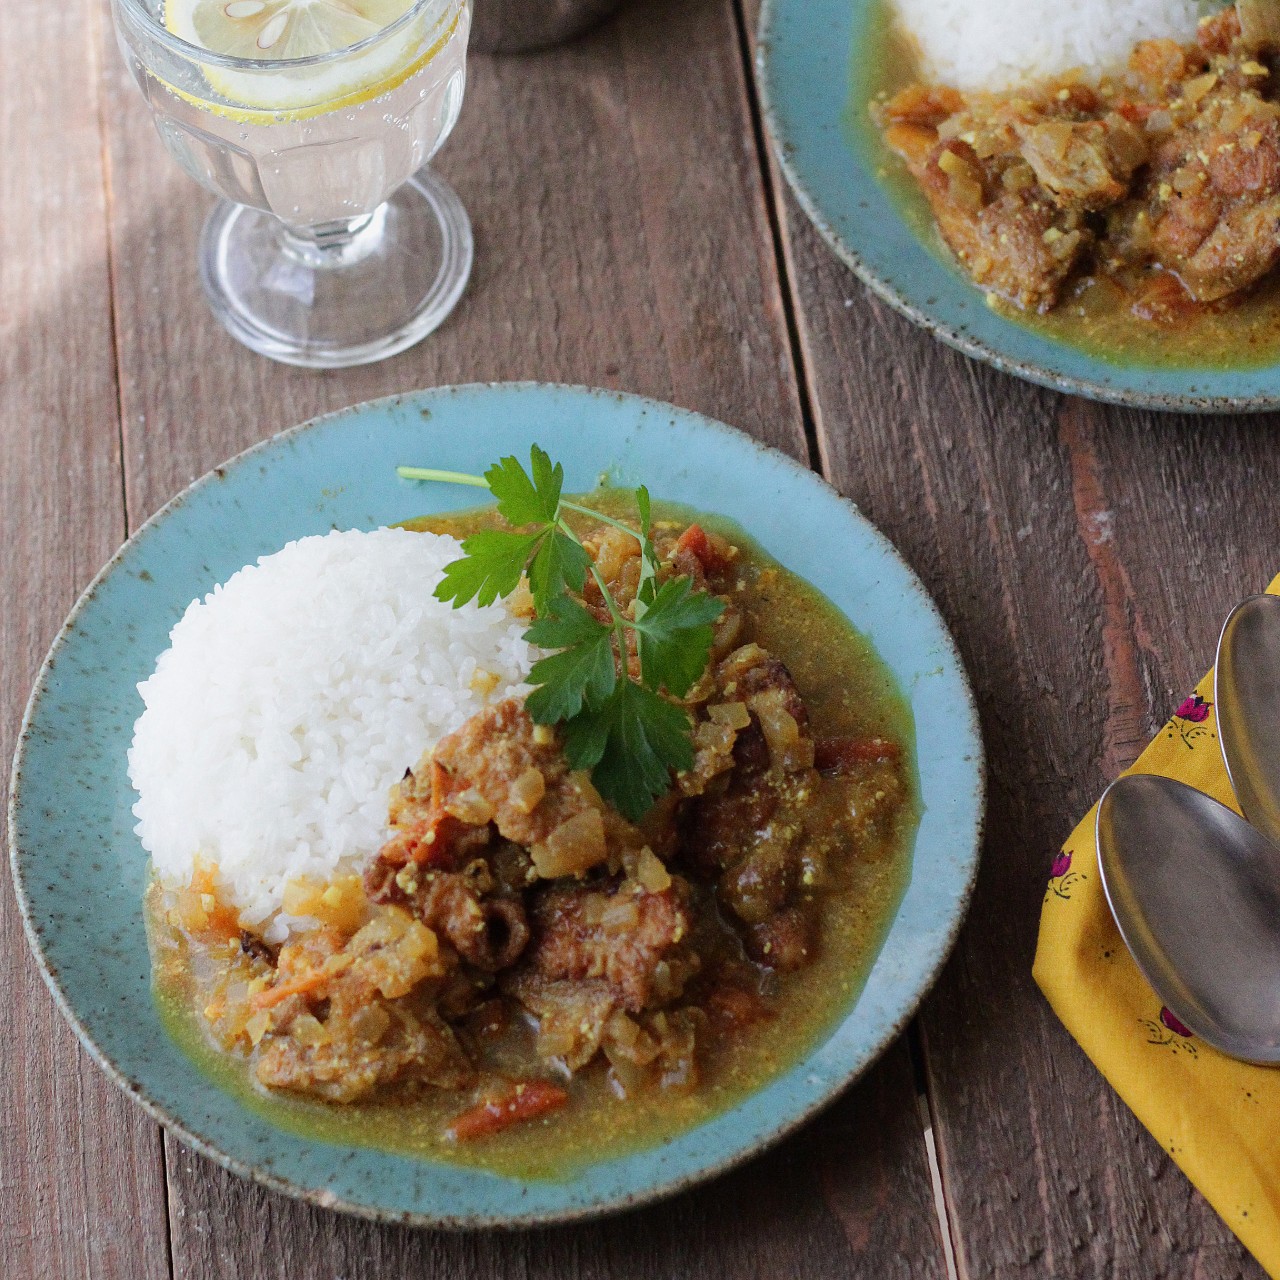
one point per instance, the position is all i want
(633, 232)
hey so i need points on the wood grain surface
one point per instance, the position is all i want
(62, 1125)
(632, 232)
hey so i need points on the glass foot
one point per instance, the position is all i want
(344, 294)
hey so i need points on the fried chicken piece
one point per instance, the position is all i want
(1216, 197)
(623, 936)
(501, 772)
(346, 1018)
(487, 930)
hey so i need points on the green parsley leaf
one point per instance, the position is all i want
(492, 563)
(623, 729)
(675, 636)
(631, 741)
(561, 564)
(648, 585)
(583, 670)
(523, 499)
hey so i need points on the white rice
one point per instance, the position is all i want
(294, 696)
(998, 44)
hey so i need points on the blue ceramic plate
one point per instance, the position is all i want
(80, 871)
(816, 83)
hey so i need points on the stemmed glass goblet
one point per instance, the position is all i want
(332, 245)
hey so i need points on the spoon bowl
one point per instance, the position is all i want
(1246, 690)
(1195, 891)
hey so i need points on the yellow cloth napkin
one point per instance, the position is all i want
(1219, 1119)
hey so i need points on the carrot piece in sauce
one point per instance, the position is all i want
(302, 986)
(201, 912)
(434, 839)
(526, 1100)
(837, 755)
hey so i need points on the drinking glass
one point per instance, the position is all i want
(332, 244)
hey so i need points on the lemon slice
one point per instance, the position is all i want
(285, 30)
(279, 28)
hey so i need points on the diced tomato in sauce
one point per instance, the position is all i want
(695, 541)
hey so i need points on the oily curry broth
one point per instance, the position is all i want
(1093, 315)
(848, 693)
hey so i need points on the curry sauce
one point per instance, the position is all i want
(755, 1002)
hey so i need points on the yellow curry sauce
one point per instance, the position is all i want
(1093, 312)
(848, 694)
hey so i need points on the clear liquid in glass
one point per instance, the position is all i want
(312, 165)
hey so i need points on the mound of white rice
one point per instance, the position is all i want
(996, 44)
(294, 696)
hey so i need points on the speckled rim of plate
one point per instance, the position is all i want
(135, 1052)
(806, 59)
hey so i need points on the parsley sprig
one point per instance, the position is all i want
(625, 729)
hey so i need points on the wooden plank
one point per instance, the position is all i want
(62, 1125)
(1084, 558)
(622, 241)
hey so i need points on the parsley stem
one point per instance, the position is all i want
(566, 505)
(448, 477)
(646, 550)
(619, 622)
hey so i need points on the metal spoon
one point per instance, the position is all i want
(1195, 891)
(1246, 689)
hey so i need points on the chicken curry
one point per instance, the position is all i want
(525, 979)
(1136, 216)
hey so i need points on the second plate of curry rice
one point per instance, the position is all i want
(1085, 195)
(520, 814)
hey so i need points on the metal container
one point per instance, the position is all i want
(511, 26)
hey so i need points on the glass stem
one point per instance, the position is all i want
(335, 244)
